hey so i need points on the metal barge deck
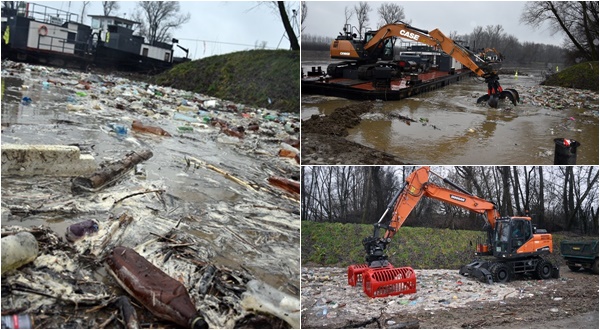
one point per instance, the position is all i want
(398, 89)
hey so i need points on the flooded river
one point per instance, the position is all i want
(451, 128)
(254, 228)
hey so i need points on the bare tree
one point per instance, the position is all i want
(348, 14)
(84, 5)
(362, 10)
(283, 10)
(390, 12)
(109, 7)
(304, 13)
(158, 18)
(294, 45)
(578, 20)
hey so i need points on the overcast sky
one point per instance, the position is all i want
(327, 18)
(238, 22)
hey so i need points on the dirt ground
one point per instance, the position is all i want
(445, 299)
(323, 139)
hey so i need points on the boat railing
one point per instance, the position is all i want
(45, 14)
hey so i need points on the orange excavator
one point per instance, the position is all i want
(513, 245)
(373, 56)
(491, 55)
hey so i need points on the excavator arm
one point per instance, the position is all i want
(418, 186)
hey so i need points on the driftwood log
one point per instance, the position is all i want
(108, 174)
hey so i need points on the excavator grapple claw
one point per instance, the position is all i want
(383, 282)
(492, 100)
(511, 94)
(356, 272)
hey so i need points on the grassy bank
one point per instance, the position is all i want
(250, 77)
(581, 76)
(336, 244)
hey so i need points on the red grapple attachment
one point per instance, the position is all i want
(383, 282)
(355, 272)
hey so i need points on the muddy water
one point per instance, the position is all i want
(452, 129)
(258, 231)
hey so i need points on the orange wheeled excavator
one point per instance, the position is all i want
(513, 245)
(373, 56)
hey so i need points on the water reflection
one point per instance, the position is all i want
(451, 129)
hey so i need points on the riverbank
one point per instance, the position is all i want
(260, 78)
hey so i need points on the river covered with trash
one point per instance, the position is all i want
(206, 199)
(446, 126)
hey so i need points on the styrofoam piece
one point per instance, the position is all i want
(49, 160)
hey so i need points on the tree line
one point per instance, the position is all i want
(557, 198)
(491, 36)
(575, 21)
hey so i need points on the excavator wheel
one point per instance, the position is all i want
(544, 270)
(501, 272)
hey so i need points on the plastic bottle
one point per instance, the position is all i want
(26, 100)
(121, 130)
(18, 250)
(71, 99)
(185, 129)
(179, 116)
(186, 108)
(162, 295)
(80, 229)
(260, 296)
(140, 127)
(210, 103)
(75, 107)
(17, 321)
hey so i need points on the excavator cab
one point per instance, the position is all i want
(510, 235)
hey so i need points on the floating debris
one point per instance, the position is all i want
(181, 211)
